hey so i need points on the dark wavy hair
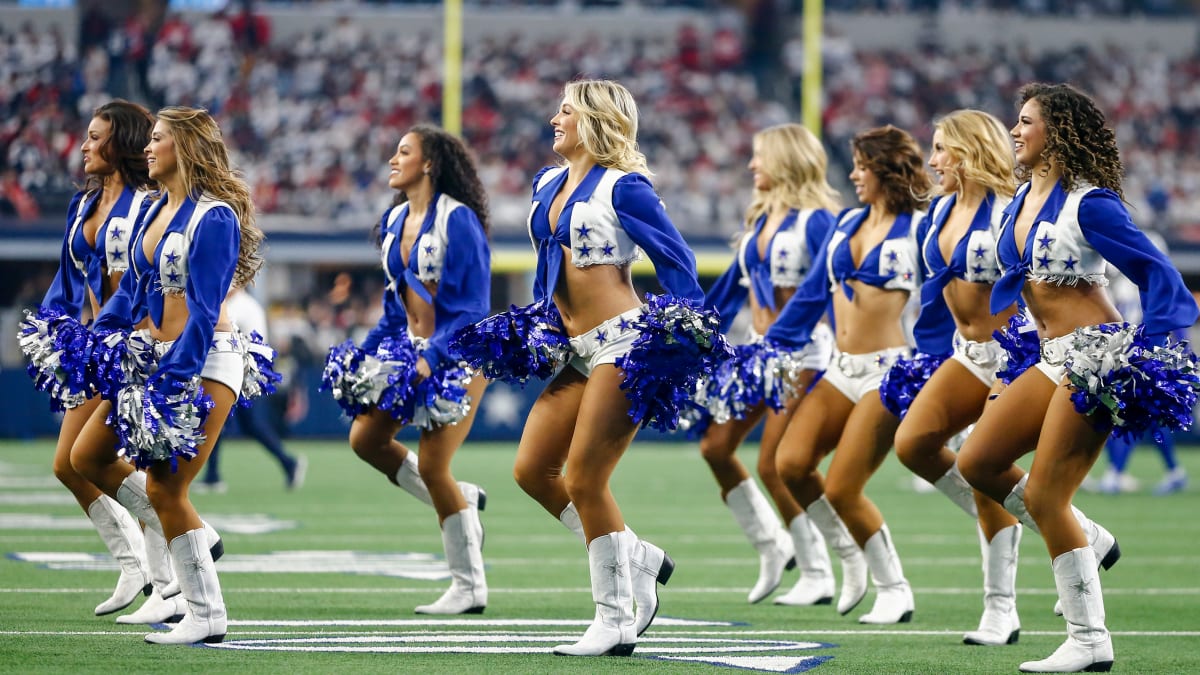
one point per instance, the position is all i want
(893, 155)
(125, 149)
(1077, 139)
(451, 170)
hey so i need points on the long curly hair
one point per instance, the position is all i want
(608, 124)
(452, 170)
(1077, 138)
(796, 163)
(125, 149)
(982, 149)
(893, 155)
(204, 168)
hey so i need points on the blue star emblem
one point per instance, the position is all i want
(233, 342)
(881, 360)
(116, 233)
(781, 270)
(980, 252)
(908, 276)
(118, 254)
(172, 258)
(583, 231)
(1069, 263)
(1044, 261)
(173, 277)
(601, 337)
(1045, 241)
(430, 249)
(1081, 588)
(893, 256)
(430, 269)
(607, 249)
(783, 254)
(584, 251)
(624, 324)
(978, 269)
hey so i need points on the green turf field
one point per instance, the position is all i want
(296, 605)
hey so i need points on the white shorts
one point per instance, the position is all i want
(605, 343)
(224, 362)
(982, 359)
(1054, 357)
(856, 375)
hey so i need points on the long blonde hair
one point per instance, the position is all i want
(608, 124)
(983, 149)
(204, 168)
(795, 161)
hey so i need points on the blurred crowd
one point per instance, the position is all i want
(313, 119)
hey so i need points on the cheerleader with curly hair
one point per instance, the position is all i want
(1062, 228)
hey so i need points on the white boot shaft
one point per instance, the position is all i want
(953, 485)
(462, 540)
(156, 609)
(649, 566)
(999, 624)
(757, 520)
(854, 564)
(1014, 503)
(205, 620)
(1101, 541)
(612, 632)
(816, 584)
(893, 595)
(123, 538)
(408, 477)
(570, 520)
(132, 495)
(1088, 647)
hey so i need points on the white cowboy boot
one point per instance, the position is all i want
(893, 595)
(1102, 542)
(123, 538)
(649, 566)
(205, 620)
(854, 564)
(999, 624)
(758, 521)
(1089, 646)
(165, 604)
(468, 592)
(612, 632)
(408, 477)
(132, 495)
(570, 520)
(816, 583)
(953, 485)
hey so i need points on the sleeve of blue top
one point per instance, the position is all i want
(793, 328)
(212, 259)
(540, 292)
(820, 224)
(1167, 304)
(934, 328)
(394, 319)
(727, 295)
(464, 293)
(645, 220)
(67, 291)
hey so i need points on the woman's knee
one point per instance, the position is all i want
(913, 445)
(715, 450)
(794, 467)
(534, 478)
(66, 472)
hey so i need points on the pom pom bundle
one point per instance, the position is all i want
(259, 375)
(1120, 376)
(515, 346)
(58, 347)
(756, 374)
(1021, 345)
(904, 380)
(156, 427)
(678, 343)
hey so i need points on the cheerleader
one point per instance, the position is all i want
(786, 223)
(1058, 234)
(101, 221)
(628, 362)
(438, 270)
(170, 363)
(868, 268)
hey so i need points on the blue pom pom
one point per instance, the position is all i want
(678, 343)
(756, 374)
(1022, 346)
(515, 346)
(156, 427)
(905, 379)
(58, 347)
(1123, 378)
(259, 376)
